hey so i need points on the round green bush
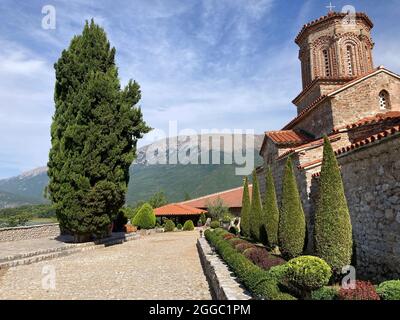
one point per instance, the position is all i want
(325, 293)
(179, 226)
(145, 218)
(308, 273)
(169, 226)
(188, 225)
(214, 224)
(389, 290)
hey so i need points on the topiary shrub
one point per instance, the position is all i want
(270, 225)
(292, 223)
(256, 211)
(364, 290)
(389, 290)
(179, 226)
(214, 224)
(145, 218)
(325, 293)
(308, 273)
(241, 247)
(245, 213)
(188, 225)
(169, 226)
(332, 231)
(262, 258)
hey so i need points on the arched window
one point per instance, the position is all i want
(326, 63)
(349, 60)
(384, 100)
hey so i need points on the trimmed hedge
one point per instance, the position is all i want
(169, 226)
(389, 290)
(332, 231)
(308, 273)
(215, 224)
(145, 218)
(292, 222)
(325, 293)
(188, 225)
(258, 281)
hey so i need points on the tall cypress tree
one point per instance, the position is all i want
(333, 230)
(245, 213)
(270, 210)
(256, 210)
(94, 133)
(292, 225)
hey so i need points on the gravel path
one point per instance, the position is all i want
(159, 266)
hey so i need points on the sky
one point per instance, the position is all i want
(207, 64)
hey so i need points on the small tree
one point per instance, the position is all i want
(203, 219)
(332, 231)
(245, 213)
(256, 211)
(292, 225)
(217, 209)
(145, 218)
(158, 199)
(270, 210)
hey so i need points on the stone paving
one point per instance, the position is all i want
(158, 266)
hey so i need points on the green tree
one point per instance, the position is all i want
(292, 225)
(270, 211)
(94, 134)
(256, 211)
(333, 230)
(145, 218)
(245, 213)
(203, 219)
(158, 200)
(217, 209)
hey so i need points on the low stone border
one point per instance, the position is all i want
(47, 254)
(49, 230)
(223, 283)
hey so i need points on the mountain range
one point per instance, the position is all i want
(155, 170)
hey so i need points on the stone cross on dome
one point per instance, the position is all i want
(330, 7)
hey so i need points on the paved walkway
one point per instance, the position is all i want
(158, 266)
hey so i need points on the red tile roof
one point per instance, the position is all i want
(231, 198)
(287, 137)
(177, 209)
(331, 15)
(371, 120)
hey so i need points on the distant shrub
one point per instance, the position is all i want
(169, 226)
(389, 290)
(262, 258)
(364, 290)
(145, 218)
(325, 293)
(215, 224)
(308, 273)
(241, 247)
(179, 226)
(188, 225)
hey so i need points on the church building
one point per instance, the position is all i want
(358, 107)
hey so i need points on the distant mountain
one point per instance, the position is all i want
(150, 173)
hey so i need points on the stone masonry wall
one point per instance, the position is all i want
(30, 232)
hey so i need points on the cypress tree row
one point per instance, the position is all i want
(270, 210)
(94, 133)
(292, 225)
(256, 210)
(333, 230)
(245, 213)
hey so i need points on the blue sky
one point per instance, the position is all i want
(208, 64)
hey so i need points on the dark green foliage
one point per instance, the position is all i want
(203, 219)
(325, 293)
(94, 133)
(120, 221)
(13, 217)
(308, 273)
(389, 290)
(256, 211)
(245, 213)
(259, 282)
(332, 231)
(292, 224)
(179, 226)
(169, 226)
(215, 224)
(233, 230)
(145, 218)
(270, 212)
(188, 225)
